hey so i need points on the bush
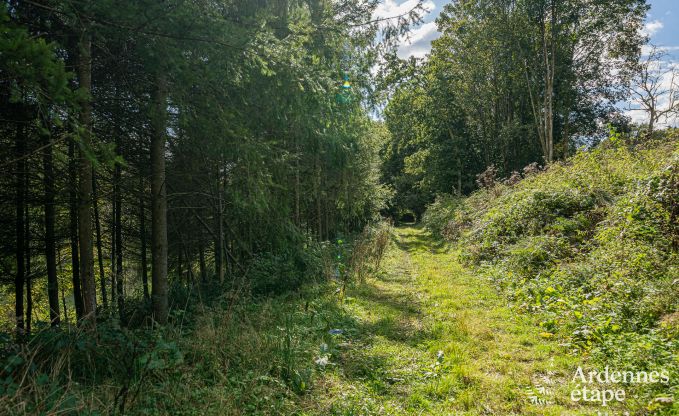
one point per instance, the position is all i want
(439, 214)
(367, 251)
(282, 272)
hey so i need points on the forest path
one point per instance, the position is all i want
(430, 338)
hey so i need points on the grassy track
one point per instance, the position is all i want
(493, 360)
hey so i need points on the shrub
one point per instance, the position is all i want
(488, 178)
(440, 213)
(279, 272)
(368, 249)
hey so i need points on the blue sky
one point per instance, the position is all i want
(664, 16)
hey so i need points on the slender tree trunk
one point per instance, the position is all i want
(220, 249)
(85, 185)
(459, 176)
(118, 200)
(73, 228)
(20, 153)
(100, 251)
(63, 302)
(297, 188)
(159, 289)
(329, 224)
(29, 292)
(219, 226)
(180, 260)
(537, 117)
(50, 239)
(189, 267)
(547, 93)
(63, 296)
(319, 214)
(142, 238)
(203, 270)
(549, 52)
(113, 250)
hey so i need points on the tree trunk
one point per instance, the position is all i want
(203, 271)
(459, 176)
(100, 251)
(73, 228)
(60, 270)
(63, 302)
(118, 200)
(113, 250)
(319, 214)
(29, 293)
(85, 185)
(298, 218)
(550, 67)
(189, 267)
(20, 153)
(50, 239)
(142, 238)
(180, 260)
(159, 289)
(219, 243)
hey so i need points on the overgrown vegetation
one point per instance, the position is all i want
(591, 245)
(224, 354)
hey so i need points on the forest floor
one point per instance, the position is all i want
(429, 337)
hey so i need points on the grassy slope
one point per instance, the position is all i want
(590, 249)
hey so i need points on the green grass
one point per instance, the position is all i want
(425, 302)
(280, 355)
(589, 249)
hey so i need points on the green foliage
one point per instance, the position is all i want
(32, 63)
(439, 213)
(590, 247)
(260, 352)
(49, 374)
(272, 273)
(488, 88)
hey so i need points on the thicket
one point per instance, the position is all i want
(225, 352)
(590, 245)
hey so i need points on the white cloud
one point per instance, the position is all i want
(646, 49)
(419, 42)
(652, 27)
(391, 8)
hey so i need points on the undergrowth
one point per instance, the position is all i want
(238, 353)
(590, 245)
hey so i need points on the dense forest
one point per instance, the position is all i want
(199, 200)
(146, 138)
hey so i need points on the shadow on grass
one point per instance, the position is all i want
(392, 332)
(419, 241)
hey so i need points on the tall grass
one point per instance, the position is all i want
(227, 354)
